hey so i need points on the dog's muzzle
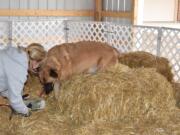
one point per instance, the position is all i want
(48, 87)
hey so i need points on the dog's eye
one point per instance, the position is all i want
(53, 73)
(38, 69)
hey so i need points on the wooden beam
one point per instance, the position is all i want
(98, 10)
(116, 14)
(34, 12)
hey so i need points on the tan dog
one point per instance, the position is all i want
(74, 58)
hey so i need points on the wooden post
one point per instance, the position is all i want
(98, 10)
(178, 11)
(134, 12)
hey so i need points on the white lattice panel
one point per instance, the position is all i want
(121, 37)
(170, 48)
(87, 31)
(4, 34)
(47, 33)
(145, 39)
(159, 41)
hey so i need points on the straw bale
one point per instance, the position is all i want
(120, 94)
(145, 59)
(120, 101)
(176, 87)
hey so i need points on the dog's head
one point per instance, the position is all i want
(49, 73)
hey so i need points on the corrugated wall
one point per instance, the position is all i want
(108, 5)
(117, 5)
(48, 4)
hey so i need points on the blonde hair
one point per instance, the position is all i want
(36, 51)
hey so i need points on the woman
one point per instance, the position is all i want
(14, 66)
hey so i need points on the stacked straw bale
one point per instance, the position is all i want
(145, 59)
(118, 101)
(120, 94)
(176, 87)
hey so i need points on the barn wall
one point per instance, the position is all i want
(109, 5)
(117, 5)
(48, 4)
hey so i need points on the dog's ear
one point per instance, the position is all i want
(53, 73)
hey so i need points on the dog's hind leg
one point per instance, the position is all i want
(105, 62)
